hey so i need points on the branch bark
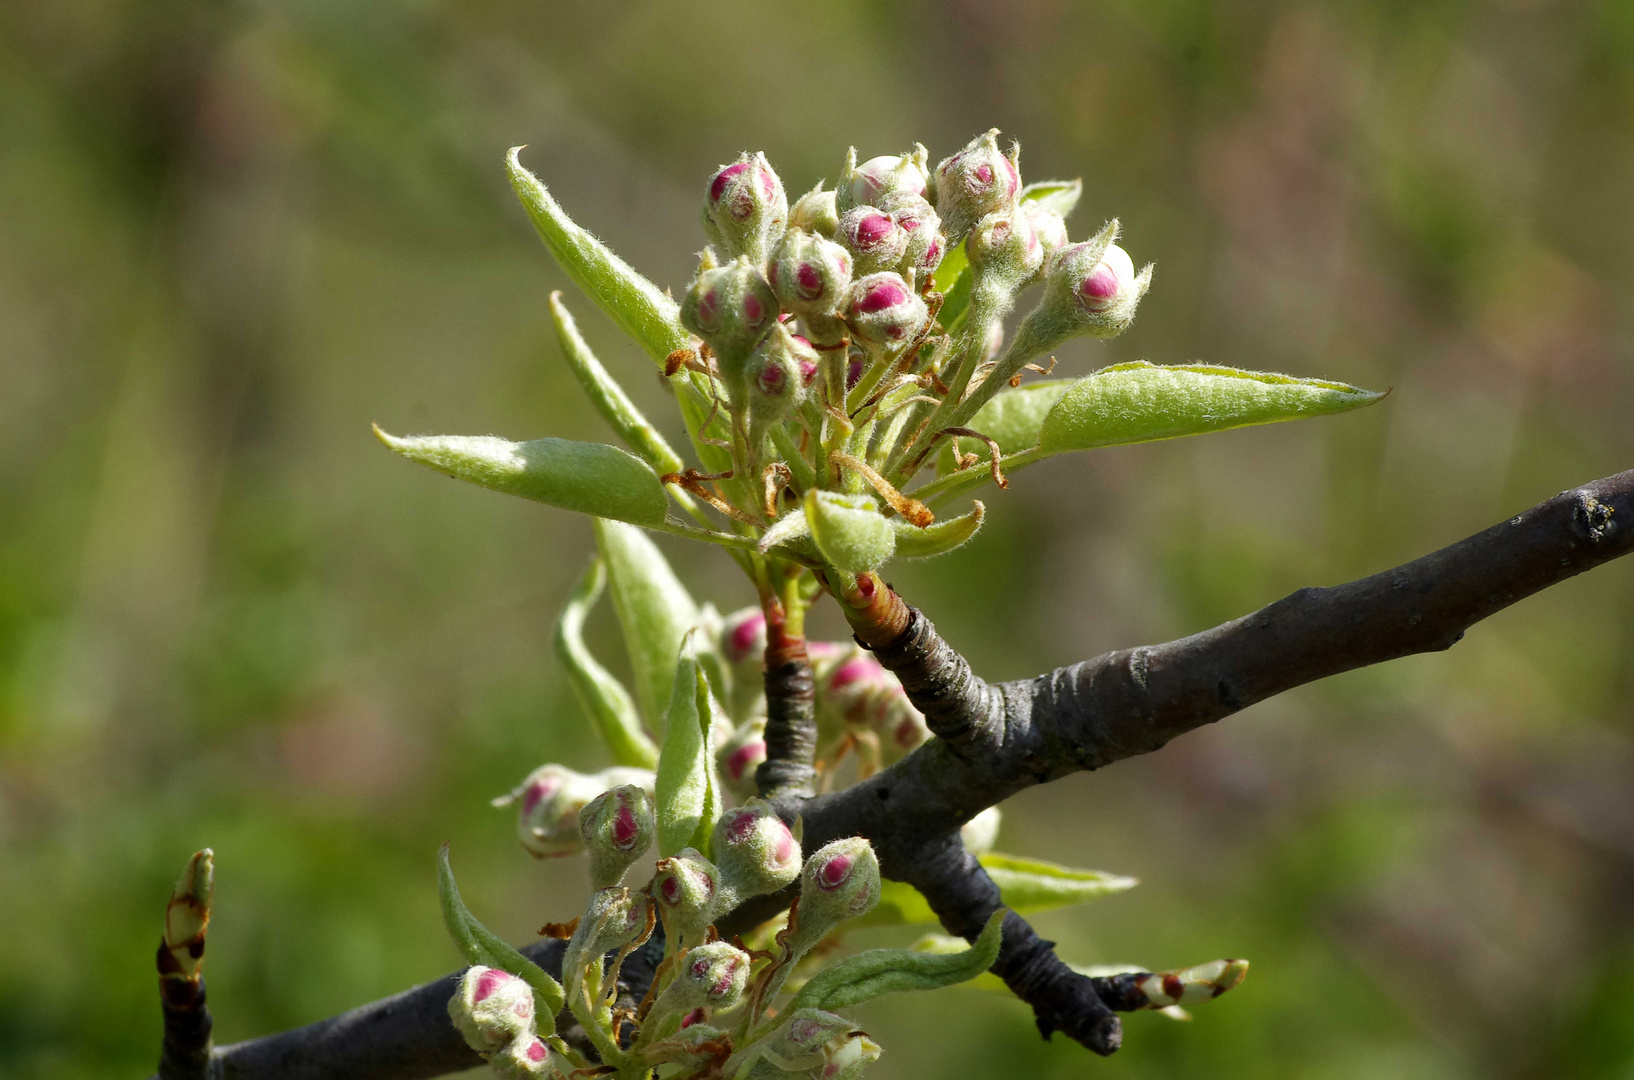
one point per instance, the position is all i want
(1080, 717)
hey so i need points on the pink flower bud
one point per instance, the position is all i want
(1112, 279)
(617, 827)
(810, 274)
(840, 882)
(731, 307)
(745, 209)
(875, 241)
(816, 212)
(740, 756)
(522, 1058)
(686, 889)
(811, 1040)
(975, 182)
(714, 975)
(1091, 288)
(1049, 226)
(1005, 244)
(548, 804)
(854, 366)
(743, 636)
(755, 851)
(774, 376)
(926, 244)
(491, 1008)
(879, 177)
(884, 312)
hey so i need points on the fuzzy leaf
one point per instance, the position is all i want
(592, 478)
(610, 706)
(1058, 195)
(688, 793)
(937, 539)
(639, 307)
(1030, 885)
(479, 945)
(608, 396)
(1140, 402)
(878, 972)
(790, 527)
(849, 530)
(654, 610)
(953, 279)
(1013, 419)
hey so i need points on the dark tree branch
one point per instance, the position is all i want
(185, 1054)
(1080, 717)
(791, 715)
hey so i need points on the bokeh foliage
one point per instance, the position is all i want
(232, 235)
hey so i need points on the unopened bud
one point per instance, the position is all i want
(187, 917)
(1112, 279)
(1092, 287)
(1191, 985)
(975, 182)
(810, 274)
(884, 312)
(686, 888)
(871, 182)
(1050, 228)
(875, 240)
(1006, 245)
(614, 918)
(740, 755)
(745, 209)
(491, 1008)
(775, 375)
(755, 851)
(617, 827)
(808, 1039)
(548, 804)
(981, 832)
(919, 221)
(840, 882)
(743, 637)
(816, 212)
(731, 307)
(521, 1058)
(712, 977)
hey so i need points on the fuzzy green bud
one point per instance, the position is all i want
(548, 803)
(1006, 246)
(686, 889)
(522, 1058)
(816, 212)
(1050, 228)
(745, 209)
(491, 1008)
(755, 851)
(711, 976)
(740, 755)
(808, 1040)
(811, 274)
(775, 376)
(731, 307)
(884, 312)
(840, 882)
(918, 220)
(975, 182)
(880, 177)
(613, 919)
(617, 827)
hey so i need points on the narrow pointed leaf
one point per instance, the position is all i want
(1031, 885)
(1013, 419)
(592, 478)
(1058, 195)
(687, 794)
(937, 539)
(609, 705)
(638, 306)
(849, 530)
(878, 972)
(479, 945)
(654, 610)
(1141, 402)
(786, 529)
(608, 396)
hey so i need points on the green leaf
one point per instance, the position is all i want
(688, 793)
(654, 610)
(1141, 402)
(610, 706)
(1058, 195)
(849, 530)
(1013, 419)
(1031, 885)
(638, 306)
(900, 904)
(937, 539)
(878, 972)
(592, 478)
(608, 396)
(479, 945)
(953, 281)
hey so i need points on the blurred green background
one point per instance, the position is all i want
(233, 234)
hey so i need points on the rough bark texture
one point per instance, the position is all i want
(791, 718)
(995, 740)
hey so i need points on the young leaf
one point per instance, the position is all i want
(849, 530)
(899, 904)
(1029, 885)
(937, 539)
(608, 396)
(790, 527)
(638, 306)
(688, 794)
(878, 972)
(479, 945)
(1013, 419)
(1140, 402)
(653, 607)
(611, 709)
(1058, 195)
(592, 478)
(953, 281)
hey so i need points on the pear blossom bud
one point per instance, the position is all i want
(810, 274)
(613, 919)
(873, 238)
(755, 851)
(840, 882)
(981, 832)
(869, 183)
(847, 1060)
(926, 244)
(745, 209)
(524, 1057)
(548, 804)
(775, 375)
(491, 1008)
(617, 827)
(731, 307)
(1049, 226)
(855, 364)
(1091, 288)
(816, 212)
(884, 312)
(1112, 279)
(712, 976)
(740, 755)
(807, 1039)
(743, 637)
(686, 888)
(975, 182)
(1005, 244)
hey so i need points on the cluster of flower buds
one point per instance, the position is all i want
(550, 800)
(855, 695)
(494, 1011)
